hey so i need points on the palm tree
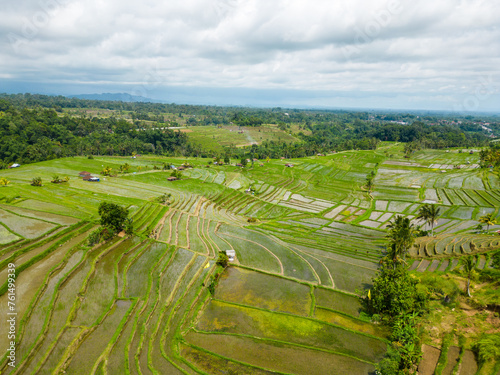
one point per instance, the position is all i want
(429, 213)
(401, 235)
(393, 254)
(487, 219)
(36, 181)
(469, 265)
(106, 171)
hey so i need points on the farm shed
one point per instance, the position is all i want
(172, 178)
(231, 254)
(91, 179)
(84, 174)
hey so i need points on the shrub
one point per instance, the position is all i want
(57, 180)
(164, 198)
(390, 364)
(495, 263)
(37, 181)
(94, 237)
(222, 260)
(106, 171)
(175, 173)
(129, 227)
(488, 348)
(107, 233)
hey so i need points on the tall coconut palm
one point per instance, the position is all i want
(393, 254)
(402, 235)
(487, 219)
(469, 265)
(429, 213)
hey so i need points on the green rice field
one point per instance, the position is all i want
(287, 304)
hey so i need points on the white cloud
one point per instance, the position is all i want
(387, 46)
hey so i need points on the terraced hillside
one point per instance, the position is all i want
(141, 304)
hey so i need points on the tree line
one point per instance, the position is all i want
(34, 128)
(36, 134)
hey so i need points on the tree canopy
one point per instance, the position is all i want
(429, 213)
(113, 216)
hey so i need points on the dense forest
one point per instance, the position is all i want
(38, 127)
(36, 134)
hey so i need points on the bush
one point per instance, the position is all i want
(175, 173)
(90, 157)
(94, 237)
(390, 364)
(107, 233)
(222, 260)
(37, 181)
(441, 287)
(488, 348)
(57, 180)
(129, 227)
(495, 263)
(164, 198)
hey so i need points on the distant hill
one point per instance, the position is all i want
(116, 97)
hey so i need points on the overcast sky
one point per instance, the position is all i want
(403, 54)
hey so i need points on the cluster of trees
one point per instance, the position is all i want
(34, 128)
(365, 135)
(398, 300)
(31, 135)
(490, 157)
(241, 119)
(114, 219)
(397, 297)
(369, 181)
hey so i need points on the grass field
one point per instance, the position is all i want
(286, 305)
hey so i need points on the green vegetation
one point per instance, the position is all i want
(36, 181)
(307, 236)
(488, 220)
(488, 348)
(396, 297)
(429, 213)
(468, 264)
(401, 237)
(36, 127)
(113, 216)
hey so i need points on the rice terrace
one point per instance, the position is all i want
(309, 235)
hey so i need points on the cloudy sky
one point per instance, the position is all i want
(400, 54)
